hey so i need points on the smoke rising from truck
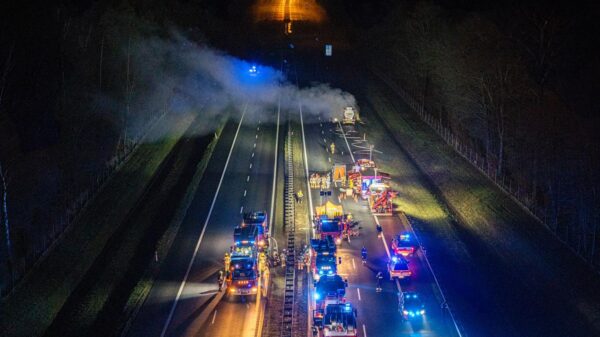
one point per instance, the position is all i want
(184, 76)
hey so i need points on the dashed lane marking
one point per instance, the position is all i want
(214, 316)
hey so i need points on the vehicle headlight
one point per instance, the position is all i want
(254, 289)
(423, 312)
(405, 312)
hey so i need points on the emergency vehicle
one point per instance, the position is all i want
(404, 244)
(243, 275)
(331, 289)
(339, 320)
(323, 260)
(398, 267)
(413, 307)
(330, 221)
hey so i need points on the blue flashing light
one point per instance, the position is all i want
(317, 296)
(347, 307)
(394, 259)
(253, 71)
(330, 272)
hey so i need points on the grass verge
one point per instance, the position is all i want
(32, 307)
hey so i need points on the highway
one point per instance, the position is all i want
(184, 300)
(377, 312)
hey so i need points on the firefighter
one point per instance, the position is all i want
(379, 278)
(227, 260)
(300, 196)
(332, 147)
(220, 280)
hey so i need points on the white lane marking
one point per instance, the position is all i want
(256, 137)
(348, 145)
(358, 291)
(353, 264)
(274, 167)
(387, 251)
(214, 316)
(241, 209)
(252, 154)
(364, 331)
(250, 165)
(245, 192)
(254, 144)
(212, 205)
(247, 178)
(436, 280)
(258, 128)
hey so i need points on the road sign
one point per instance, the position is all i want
(328, 50)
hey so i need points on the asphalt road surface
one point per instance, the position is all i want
(378, 313)
(173, 308)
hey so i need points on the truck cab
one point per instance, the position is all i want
(323, 260)
(242, 276)
(331, 289)
(349, 115)
(328, 227)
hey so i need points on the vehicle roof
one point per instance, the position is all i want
(330, 225)
(412, 300)
(255, 217)
(400, 264)
(331, 283)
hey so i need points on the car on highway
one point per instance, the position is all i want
(413, 307)
(398, 267)
(404, 244)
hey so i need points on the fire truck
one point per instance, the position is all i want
(381, 198)
(339, 320)
(323, 260)
(252, 231)
(242, 278)
(330, 289)
(330, 221)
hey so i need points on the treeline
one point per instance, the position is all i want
(76, 94)
(518, 83)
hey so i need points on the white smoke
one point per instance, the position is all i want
(194, 77)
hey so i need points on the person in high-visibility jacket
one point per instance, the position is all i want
(300, 196)
(227, 261)
(332, 147)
